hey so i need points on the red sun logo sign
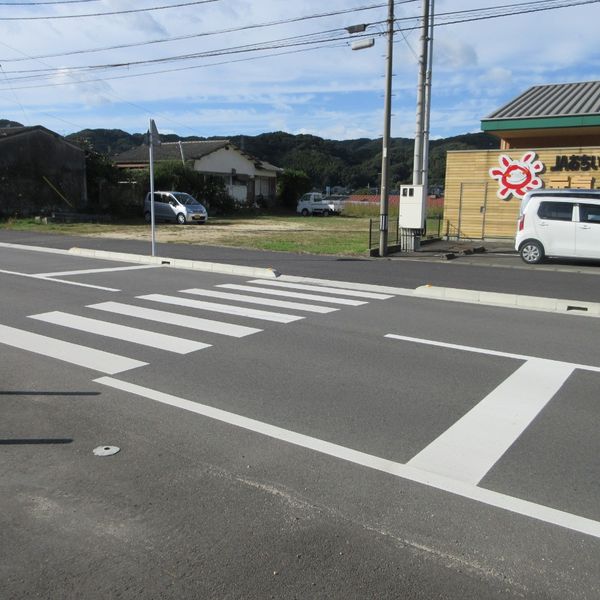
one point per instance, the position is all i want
(517, 177)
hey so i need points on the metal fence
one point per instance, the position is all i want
(404, 239)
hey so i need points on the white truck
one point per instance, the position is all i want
(315, 203)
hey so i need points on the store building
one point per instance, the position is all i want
(549, 138)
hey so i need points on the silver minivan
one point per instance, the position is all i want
(175, 206)
(561, 223)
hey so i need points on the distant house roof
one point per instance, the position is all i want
(190, 150)
(12, 132)
(171, 151)
(548, 107)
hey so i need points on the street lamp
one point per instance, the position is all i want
(387, 115)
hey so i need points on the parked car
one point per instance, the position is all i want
(560, 223)
(175, 206)
(315, 203)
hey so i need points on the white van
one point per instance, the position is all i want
(175, 206)
(560, 223)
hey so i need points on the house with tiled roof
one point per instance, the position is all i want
(549, 138)
(246, 177)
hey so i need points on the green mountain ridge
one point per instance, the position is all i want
(350, 163)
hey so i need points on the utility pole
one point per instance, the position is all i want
(419, 143)
(385, 158)
(427, 119)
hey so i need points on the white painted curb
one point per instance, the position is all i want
(571, 307)
(178, 263)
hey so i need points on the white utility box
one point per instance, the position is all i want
(412, 207)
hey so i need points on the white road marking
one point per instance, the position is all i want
(222, 308)
(168, 343)
(39, 277)
(83, 356)
(92, 271)
(466, 490)
(474, 444)
(286, 294)
(262, 301)
(406, 338)
(324, 289)
(162, 316)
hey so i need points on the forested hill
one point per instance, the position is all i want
(353, 163)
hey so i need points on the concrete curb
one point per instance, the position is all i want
(178, 263)
(558, 305)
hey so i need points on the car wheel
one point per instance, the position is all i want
(532, 252)
(147, 217)
(325, 213)
(181, 219)
(305, 212)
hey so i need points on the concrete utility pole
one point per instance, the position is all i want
(385, 158)
(427, 118)
(419, 143)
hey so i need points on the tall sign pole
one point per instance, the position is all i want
(153, 138)
(385, 157)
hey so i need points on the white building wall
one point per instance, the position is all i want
(223, 161)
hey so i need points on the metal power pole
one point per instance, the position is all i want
(418, 155)
(387, 116)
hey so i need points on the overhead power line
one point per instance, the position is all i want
(328, 36)
(106, 14)
(335, 37)
(208, 33)
(47, 3)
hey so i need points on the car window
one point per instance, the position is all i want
(556, 211)
(589, 213)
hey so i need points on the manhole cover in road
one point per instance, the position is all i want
(106, 450)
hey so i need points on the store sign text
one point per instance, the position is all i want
(576, 162)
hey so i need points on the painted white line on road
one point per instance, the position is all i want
(41, 278)
(169, 318)
(350, 285)
(286, 294)
(227, 309)
(162, 316)
(67, 352)
(92, 271)
(34, 248)
(152, 339)
(262, 301)
(415, 340)
(466, 490)
(474, 444)
(324, 289)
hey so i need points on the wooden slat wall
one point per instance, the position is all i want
(469, 187)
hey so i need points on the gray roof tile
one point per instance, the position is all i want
(552, 100)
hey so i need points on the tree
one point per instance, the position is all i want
(290, 186)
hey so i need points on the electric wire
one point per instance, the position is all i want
(335, 35)
(106, 14)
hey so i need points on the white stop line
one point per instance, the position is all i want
(440, 465)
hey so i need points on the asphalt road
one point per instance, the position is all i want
(493, 271)
(345, 446)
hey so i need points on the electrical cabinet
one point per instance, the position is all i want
(412, 207)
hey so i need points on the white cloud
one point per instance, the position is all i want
(329, 91)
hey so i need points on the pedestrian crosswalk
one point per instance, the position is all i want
(188, 309)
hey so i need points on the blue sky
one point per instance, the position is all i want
(324, 89)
